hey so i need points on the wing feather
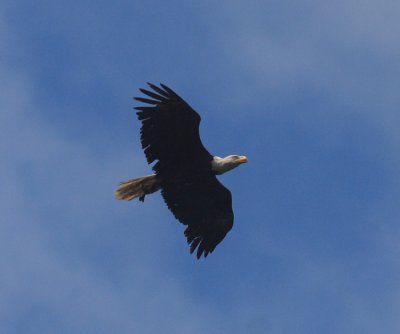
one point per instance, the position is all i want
(153, 95)
(144, 100)
(158, 90)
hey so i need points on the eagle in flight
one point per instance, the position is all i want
(184, 170)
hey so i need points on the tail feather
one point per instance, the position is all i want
(137, 188)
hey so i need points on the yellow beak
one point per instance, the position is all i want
(242, 159)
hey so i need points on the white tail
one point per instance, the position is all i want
(131, 189)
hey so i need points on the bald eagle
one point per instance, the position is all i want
(184, 170)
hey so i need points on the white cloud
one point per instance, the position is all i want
(347, 51)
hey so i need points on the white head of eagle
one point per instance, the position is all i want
(184, 170)
(223, 165)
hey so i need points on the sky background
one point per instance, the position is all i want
(308, 90)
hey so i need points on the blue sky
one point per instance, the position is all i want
(307, 90)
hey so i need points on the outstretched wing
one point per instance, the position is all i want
(204, 205)
(170, 136)
(170, 132)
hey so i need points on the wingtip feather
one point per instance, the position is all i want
(167, 89)
(158, 90)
